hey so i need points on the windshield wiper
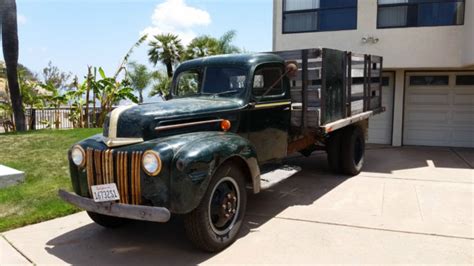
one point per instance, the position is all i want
(223, 92)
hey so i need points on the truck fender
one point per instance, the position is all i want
(196, 161)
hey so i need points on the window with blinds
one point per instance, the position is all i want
(419, 13)
(319, 15)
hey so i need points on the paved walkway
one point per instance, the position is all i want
(410, 205)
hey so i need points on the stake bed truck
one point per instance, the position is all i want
(226, 122)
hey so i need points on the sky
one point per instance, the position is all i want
(76, 33)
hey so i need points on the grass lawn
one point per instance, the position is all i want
(42, 155)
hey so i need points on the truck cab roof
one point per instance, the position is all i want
(248, 60)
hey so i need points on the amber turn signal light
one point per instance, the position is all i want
(225, 125)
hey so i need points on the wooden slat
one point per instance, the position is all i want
(381, 78)
(344, 86)
(357, 73)
(304, 78)
(349, 83)
(312, 74)
(376, 59)
(297, 54)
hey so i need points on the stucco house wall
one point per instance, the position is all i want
(434, 50)
(468, 51)
(434, 47)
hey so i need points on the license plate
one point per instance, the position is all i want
(106, 192)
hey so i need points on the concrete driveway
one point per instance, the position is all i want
(410, 205)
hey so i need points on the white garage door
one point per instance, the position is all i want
(439, 109)
(380, 126)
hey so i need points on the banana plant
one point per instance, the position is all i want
(55, 100)
(76, 100)
(110, 92)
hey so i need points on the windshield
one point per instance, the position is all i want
(218, 81)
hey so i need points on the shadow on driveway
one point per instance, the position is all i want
(151, 243)
(146, 242)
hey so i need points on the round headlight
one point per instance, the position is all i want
(151, 163)
(78, 155)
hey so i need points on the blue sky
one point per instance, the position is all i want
(76, 33)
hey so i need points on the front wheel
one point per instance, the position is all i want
(215, 223)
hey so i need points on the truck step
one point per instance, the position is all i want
(271, 176)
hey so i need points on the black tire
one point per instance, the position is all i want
(207, 226)
(107, 221)
(333, 150)
(353, 150)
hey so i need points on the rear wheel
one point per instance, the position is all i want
(215, 223)
(107, 221)
(333, 150)
(353, 150)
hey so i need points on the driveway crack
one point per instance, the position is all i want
(366, 227)
(17, 250)
(418, 202)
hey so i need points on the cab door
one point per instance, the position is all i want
(269, 112)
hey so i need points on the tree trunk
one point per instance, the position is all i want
(88, 89)
(32, 121)
(94, 97)
(10, 54)
(56, 118)
(140, 96)
(169, 69)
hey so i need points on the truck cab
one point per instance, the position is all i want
(257, 83)
(226, 117)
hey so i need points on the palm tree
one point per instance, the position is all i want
(202, 46)
(161, 85)
(167, 49)
(139, 78)
(225, 43)
(10, 53)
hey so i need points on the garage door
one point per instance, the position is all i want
(380, 126)
(439, 109)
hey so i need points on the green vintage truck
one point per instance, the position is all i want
(220, 134)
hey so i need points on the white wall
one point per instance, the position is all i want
(469, 34)
(421, 47)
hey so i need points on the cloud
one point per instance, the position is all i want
(21, 19)
(175, 16)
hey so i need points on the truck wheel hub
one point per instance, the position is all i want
(224, 206)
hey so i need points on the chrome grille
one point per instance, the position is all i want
(121, 168)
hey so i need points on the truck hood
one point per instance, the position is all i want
(132, 124)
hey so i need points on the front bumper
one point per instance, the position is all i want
(136, 212)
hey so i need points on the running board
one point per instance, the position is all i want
(276, 175)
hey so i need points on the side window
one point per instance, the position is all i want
(187, 83)
(268, 81)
